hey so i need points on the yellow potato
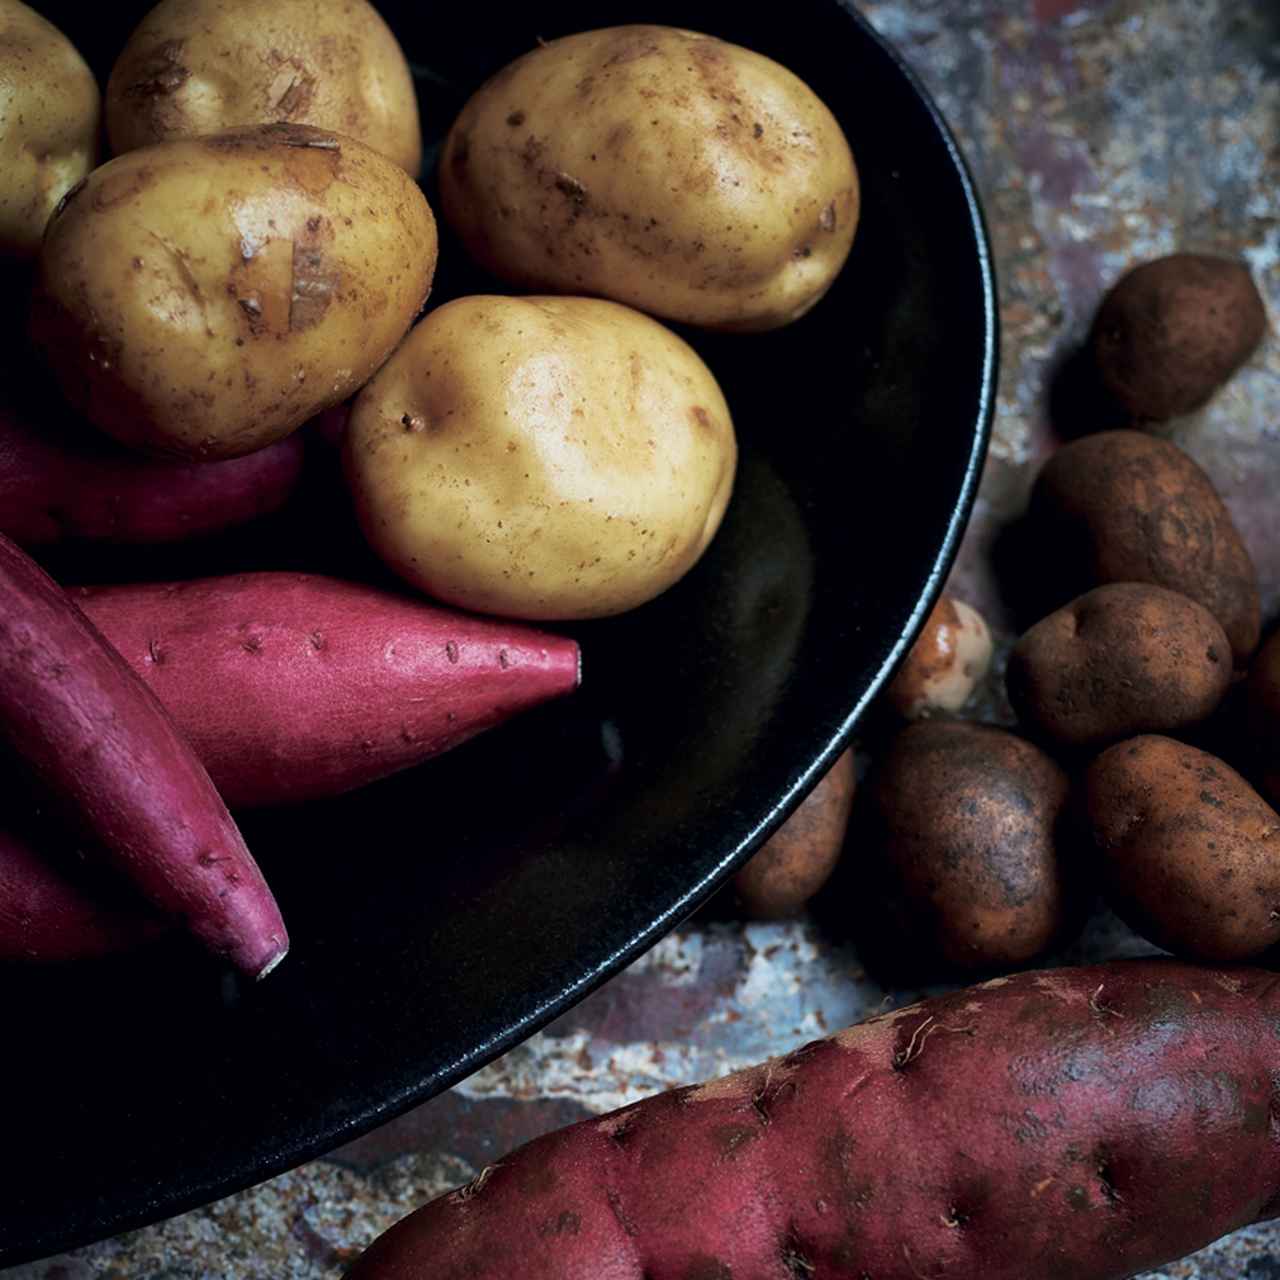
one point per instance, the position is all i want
(667, 170)
(204, 298)
(203, 66)
(541, 457)
(49, 111)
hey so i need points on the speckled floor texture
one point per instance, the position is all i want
(1101, 132)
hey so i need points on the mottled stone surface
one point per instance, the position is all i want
(1101, 132)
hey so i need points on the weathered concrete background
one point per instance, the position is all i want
(1101, 133)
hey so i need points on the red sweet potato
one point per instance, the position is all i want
(102, 746)
(46, 915)
(1079, 1124)
(292, 686)
(57, 486)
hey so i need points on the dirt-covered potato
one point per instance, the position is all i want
(203, 298)
(1262, 700)
(1124, 506)
(194, 67)
(950, 657)
(1172, 331)
(1189, 852)
(49, 111)
(541, 457)
(801, 855)
(1121, 660)
(963, 864)
(665, 169)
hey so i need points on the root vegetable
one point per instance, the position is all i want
(797, 861)
(104, 749)
(1123, 659)
(56, 486)
(46, 915)
(950, 657)
(1124, 506)
(1079, 1124)
(1188, 850)
(292, 686)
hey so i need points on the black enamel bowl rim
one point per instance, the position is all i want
(197, 1190)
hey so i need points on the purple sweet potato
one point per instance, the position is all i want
(57, 485)
(292, 686)
(1078, 1124)
(101, 745)
(46, 915)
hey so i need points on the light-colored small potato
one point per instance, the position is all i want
(1188, 850)
(668, 170)
(1121, 660)
(203, 298)
(950, 657)
(541, 457)
(49, 112)
(801, 855)
(204, 66)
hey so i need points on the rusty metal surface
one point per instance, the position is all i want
(1101, 132)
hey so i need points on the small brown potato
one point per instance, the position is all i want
(950, 657)
(49, 113)
(1124, 659)
(1262, 700)
(204, 298)
(195, 67)
(1172, 331)
(963, 845)
(668, 170)
(544, 458)
(801, 855)
(1189, 852)
(1124, 506)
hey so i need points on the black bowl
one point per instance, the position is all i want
(443, 916)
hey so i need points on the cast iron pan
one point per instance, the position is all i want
(443, 916)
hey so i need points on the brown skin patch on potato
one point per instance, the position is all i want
(1172, 331)
(161, 72)
(1124, 506)
(293, 87)
(263, 283)
(800, 857)
(964, 826)
(1124, 659)
(628, 46)
(1189, 853)
(316, 280)
(117, 189)
(313, 164)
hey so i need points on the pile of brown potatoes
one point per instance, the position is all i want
(977, 848)
(258, 250)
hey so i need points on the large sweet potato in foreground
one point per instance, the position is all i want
(292, 686)
(1078, 1124)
